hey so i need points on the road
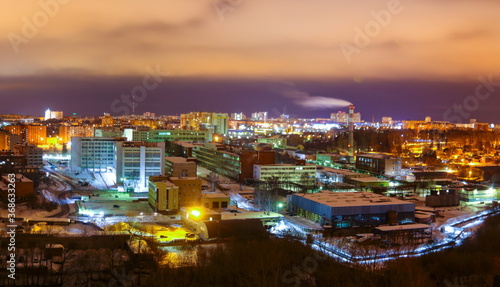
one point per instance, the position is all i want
(456, 232)
(62, 196)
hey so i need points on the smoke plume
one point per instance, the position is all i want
(307, 101)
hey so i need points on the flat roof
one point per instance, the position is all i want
(213, 195)
(184, 144)
(166, 181)
(345, 199)
(287, 165)
(139, 144)
(369, 179)
(176, 159)
(403, 227)
(342, 171)
(186, 177)
(377, 155)
(250, 215)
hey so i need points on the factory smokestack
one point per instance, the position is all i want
(350, 145)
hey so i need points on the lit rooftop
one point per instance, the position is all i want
(343, 199)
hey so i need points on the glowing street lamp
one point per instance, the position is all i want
(195, 213)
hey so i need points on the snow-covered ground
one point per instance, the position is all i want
(99, 181)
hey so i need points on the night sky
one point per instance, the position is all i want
(411, 59)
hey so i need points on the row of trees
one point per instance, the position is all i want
(283, 261)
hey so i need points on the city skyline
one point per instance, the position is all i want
(410, 107)
(383, 56)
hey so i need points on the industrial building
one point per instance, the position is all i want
(189, 190)
(180, 167)
(215, 200)
(163, 195)
(330, 159)
(368, 182)
(301, 174)
(211, 224)
(404, 234)
(332, 175)
(237, 165)
(137, 161)
(443, 198)
(93, 153)
(179, 148)
(351, 209)
(149, 135)
(379, 164)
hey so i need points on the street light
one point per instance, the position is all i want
(195, 213)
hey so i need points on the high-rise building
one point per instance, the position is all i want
(387, 121)
(342, 117)
(238, 116)
(36, 134)
(67, 132)
(107, 120)
(18, 130)
(53, 114)
(215, 122)
(5, 140)
(259, 116)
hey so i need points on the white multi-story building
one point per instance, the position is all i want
(259, 116)
(94, 153)
(137, 161)
(238, 116)
(53, 114)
